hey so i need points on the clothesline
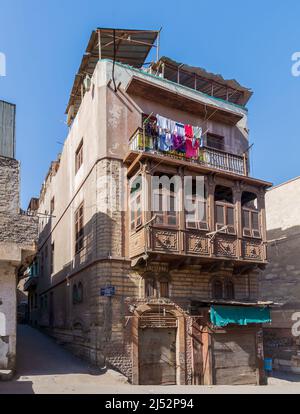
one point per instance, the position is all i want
(169, 136)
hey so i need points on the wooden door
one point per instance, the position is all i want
(234, 358)
(157, 356)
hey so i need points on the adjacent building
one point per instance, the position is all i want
(18, 233)
(281, 279)
(161, 293)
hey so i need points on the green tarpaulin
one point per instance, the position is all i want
(239, 315)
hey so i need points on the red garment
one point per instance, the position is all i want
(188, 129)
(191, 151)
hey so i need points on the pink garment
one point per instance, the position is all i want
(191, 150)
(188, 129)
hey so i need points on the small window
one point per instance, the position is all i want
(136, 204)
(215, 141)
(79, 157)
(52, 205)
(52, 259)
(229, 289)
(217, 289)
(250, 215)
(196, 218)
(224, 209)
(165, 201)
(74, 294)
(79, 229)
(150, 287)
(164, 288)
(80, 293)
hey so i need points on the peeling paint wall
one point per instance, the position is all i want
(7, 317)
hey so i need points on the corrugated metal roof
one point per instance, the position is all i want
(199, 79)
(126, 46)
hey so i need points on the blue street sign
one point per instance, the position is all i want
(107, 291)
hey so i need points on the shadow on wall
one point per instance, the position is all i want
(103, 238)
(280, 282)
(39, 354)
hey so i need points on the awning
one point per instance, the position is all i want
(238, 315)
(163, 92)
(126, 46)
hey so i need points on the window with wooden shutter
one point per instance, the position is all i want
(224, 209)
(196, 218)
(136, 204)
(150, 287)
(79, 229)
(79, 157)
(165, 205)
(217, 289)
(250, 215)
(164, 288)
(229, 289)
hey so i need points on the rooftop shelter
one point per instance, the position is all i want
(125, 46)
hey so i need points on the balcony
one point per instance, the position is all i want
(195, 243)
(207, 157)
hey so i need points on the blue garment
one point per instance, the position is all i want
(163, 145)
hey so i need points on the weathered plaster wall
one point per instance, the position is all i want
(7, 316)
(17, 235)
(280, 281)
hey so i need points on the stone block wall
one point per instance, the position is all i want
(9, 185)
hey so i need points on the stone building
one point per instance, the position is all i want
(161, 295)
(18, 233)
(281, 279)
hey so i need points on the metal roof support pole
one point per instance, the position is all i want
(157, 47)
(99, 44)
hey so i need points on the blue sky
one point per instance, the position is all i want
(251, 41)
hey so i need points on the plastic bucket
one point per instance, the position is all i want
(268, 364)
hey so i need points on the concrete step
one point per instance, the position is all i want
(6, 374)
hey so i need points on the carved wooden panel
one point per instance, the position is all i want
(137, 243)
(166, 240)
(225, 246)
(197, 244)
(252, 249)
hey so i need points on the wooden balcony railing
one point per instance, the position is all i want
(208, 157)
(196, 243)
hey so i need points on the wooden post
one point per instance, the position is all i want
(211, 208)
(262, 221)
(245, 164)
(99, 44)
(182, 212)
(238, 217)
